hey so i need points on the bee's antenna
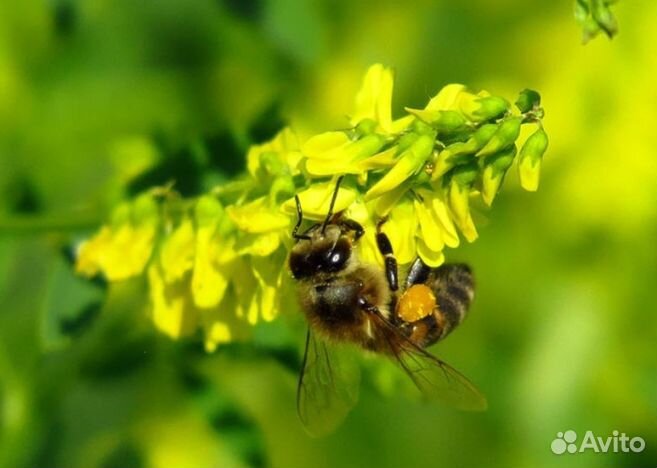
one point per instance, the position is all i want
(299, 220)
(329, 215)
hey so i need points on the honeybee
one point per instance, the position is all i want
(349, 301)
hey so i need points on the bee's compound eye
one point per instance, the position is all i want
(338, 256)
(300, 267)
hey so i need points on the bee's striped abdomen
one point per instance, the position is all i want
(453, 287)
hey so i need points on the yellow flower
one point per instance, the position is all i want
(276, 157)
(220, 259)
(122, 249)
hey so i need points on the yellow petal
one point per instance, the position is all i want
(258, 244)
(268, 273)
(388, 200)
(88, 254)
(216, 333)
(430, 228)
(446, 99)
(221, 324)
(358, 212)
(321, 167)
(368, 249)
(210, 278)
(344, 159)
(172, 310)
(246, 289)
(433, 258)
(380, 160)
(459, 203)
(401, 228)
(258, 217)
(316, 200)
(374, 99)
(119, 254)
(450, 236)
(177, 251)
(401, 124)
(530, 173)
(324, 145)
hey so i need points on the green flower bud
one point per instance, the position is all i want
(482, 136)
(529, 159)
(528, 100)
(603, 16)
(281, 185)
(504, 137)
(444, 121)
(595, 16)
(459, 152)
(449, 122)
(476, 141)
(366, 127)
(422, 128)
(465, 175)
(405, 141)
(366, 146)
(495, 168)
(581, 10)
(272, 163)
(145, 209)
(486, 108)
(207, 211)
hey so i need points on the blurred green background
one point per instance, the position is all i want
(100, 99)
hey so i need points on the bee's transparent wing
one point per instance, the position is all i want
(328, 386)
(436, 379)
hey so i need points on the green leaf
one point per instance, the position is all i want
(70, 306)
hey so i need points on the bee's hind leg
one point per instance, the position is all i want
(418, 273)
(385, 247)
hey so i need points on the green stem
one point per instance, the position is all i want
(31, 224)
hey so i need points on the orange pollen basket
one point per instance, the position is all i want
(417, 302)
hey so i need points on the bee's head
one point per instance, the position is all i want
(322, 249)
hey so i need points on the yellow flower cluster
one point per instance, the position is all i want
(217, 262)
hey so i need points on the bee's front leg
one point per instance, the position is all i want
(368, 306)
(353, 226)
(385, 247)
